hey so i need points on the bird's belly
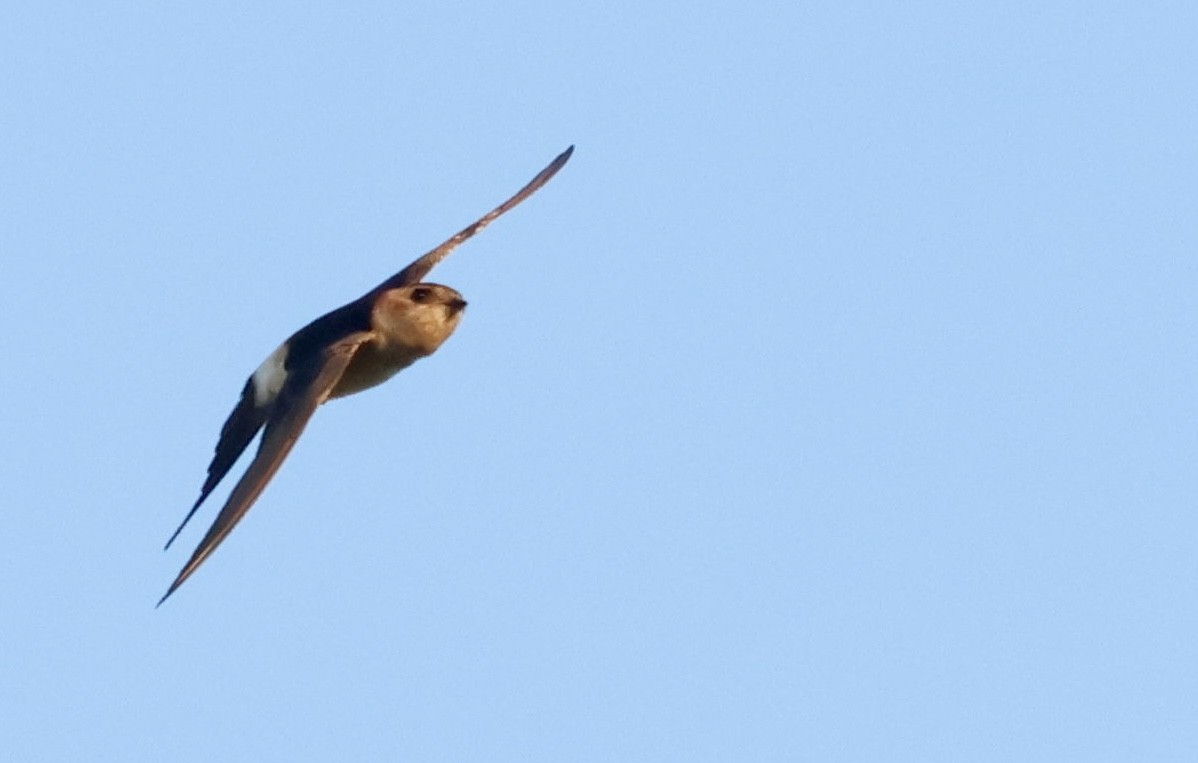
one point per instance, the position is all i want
(371, 367)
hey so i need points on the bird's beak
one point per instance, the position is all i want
(457, 306)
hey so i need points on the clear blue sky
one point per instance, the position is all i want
(836, 402)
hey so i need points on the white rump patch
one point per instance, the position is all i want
(269, 377)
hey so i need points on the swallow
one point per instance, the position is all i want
(353, 348)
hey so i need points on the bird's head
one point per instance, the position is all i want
(420, 316)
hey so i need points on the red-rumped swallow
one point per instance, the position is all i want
(350, 349)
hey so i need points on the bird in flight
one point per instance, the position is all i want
(352, 348)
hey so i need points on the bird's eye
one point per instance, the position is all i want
(419, 295)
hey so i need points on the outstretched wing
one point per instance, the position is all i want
(416, 272)
(305, 389)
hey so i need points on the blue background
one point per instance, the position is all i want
(836, 402)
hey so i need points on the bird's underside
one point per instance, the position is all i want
(354, 347)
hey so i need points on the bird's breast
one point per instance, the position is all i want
(373, 364)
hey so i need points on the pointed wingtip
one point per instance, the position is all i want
(175, 585)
